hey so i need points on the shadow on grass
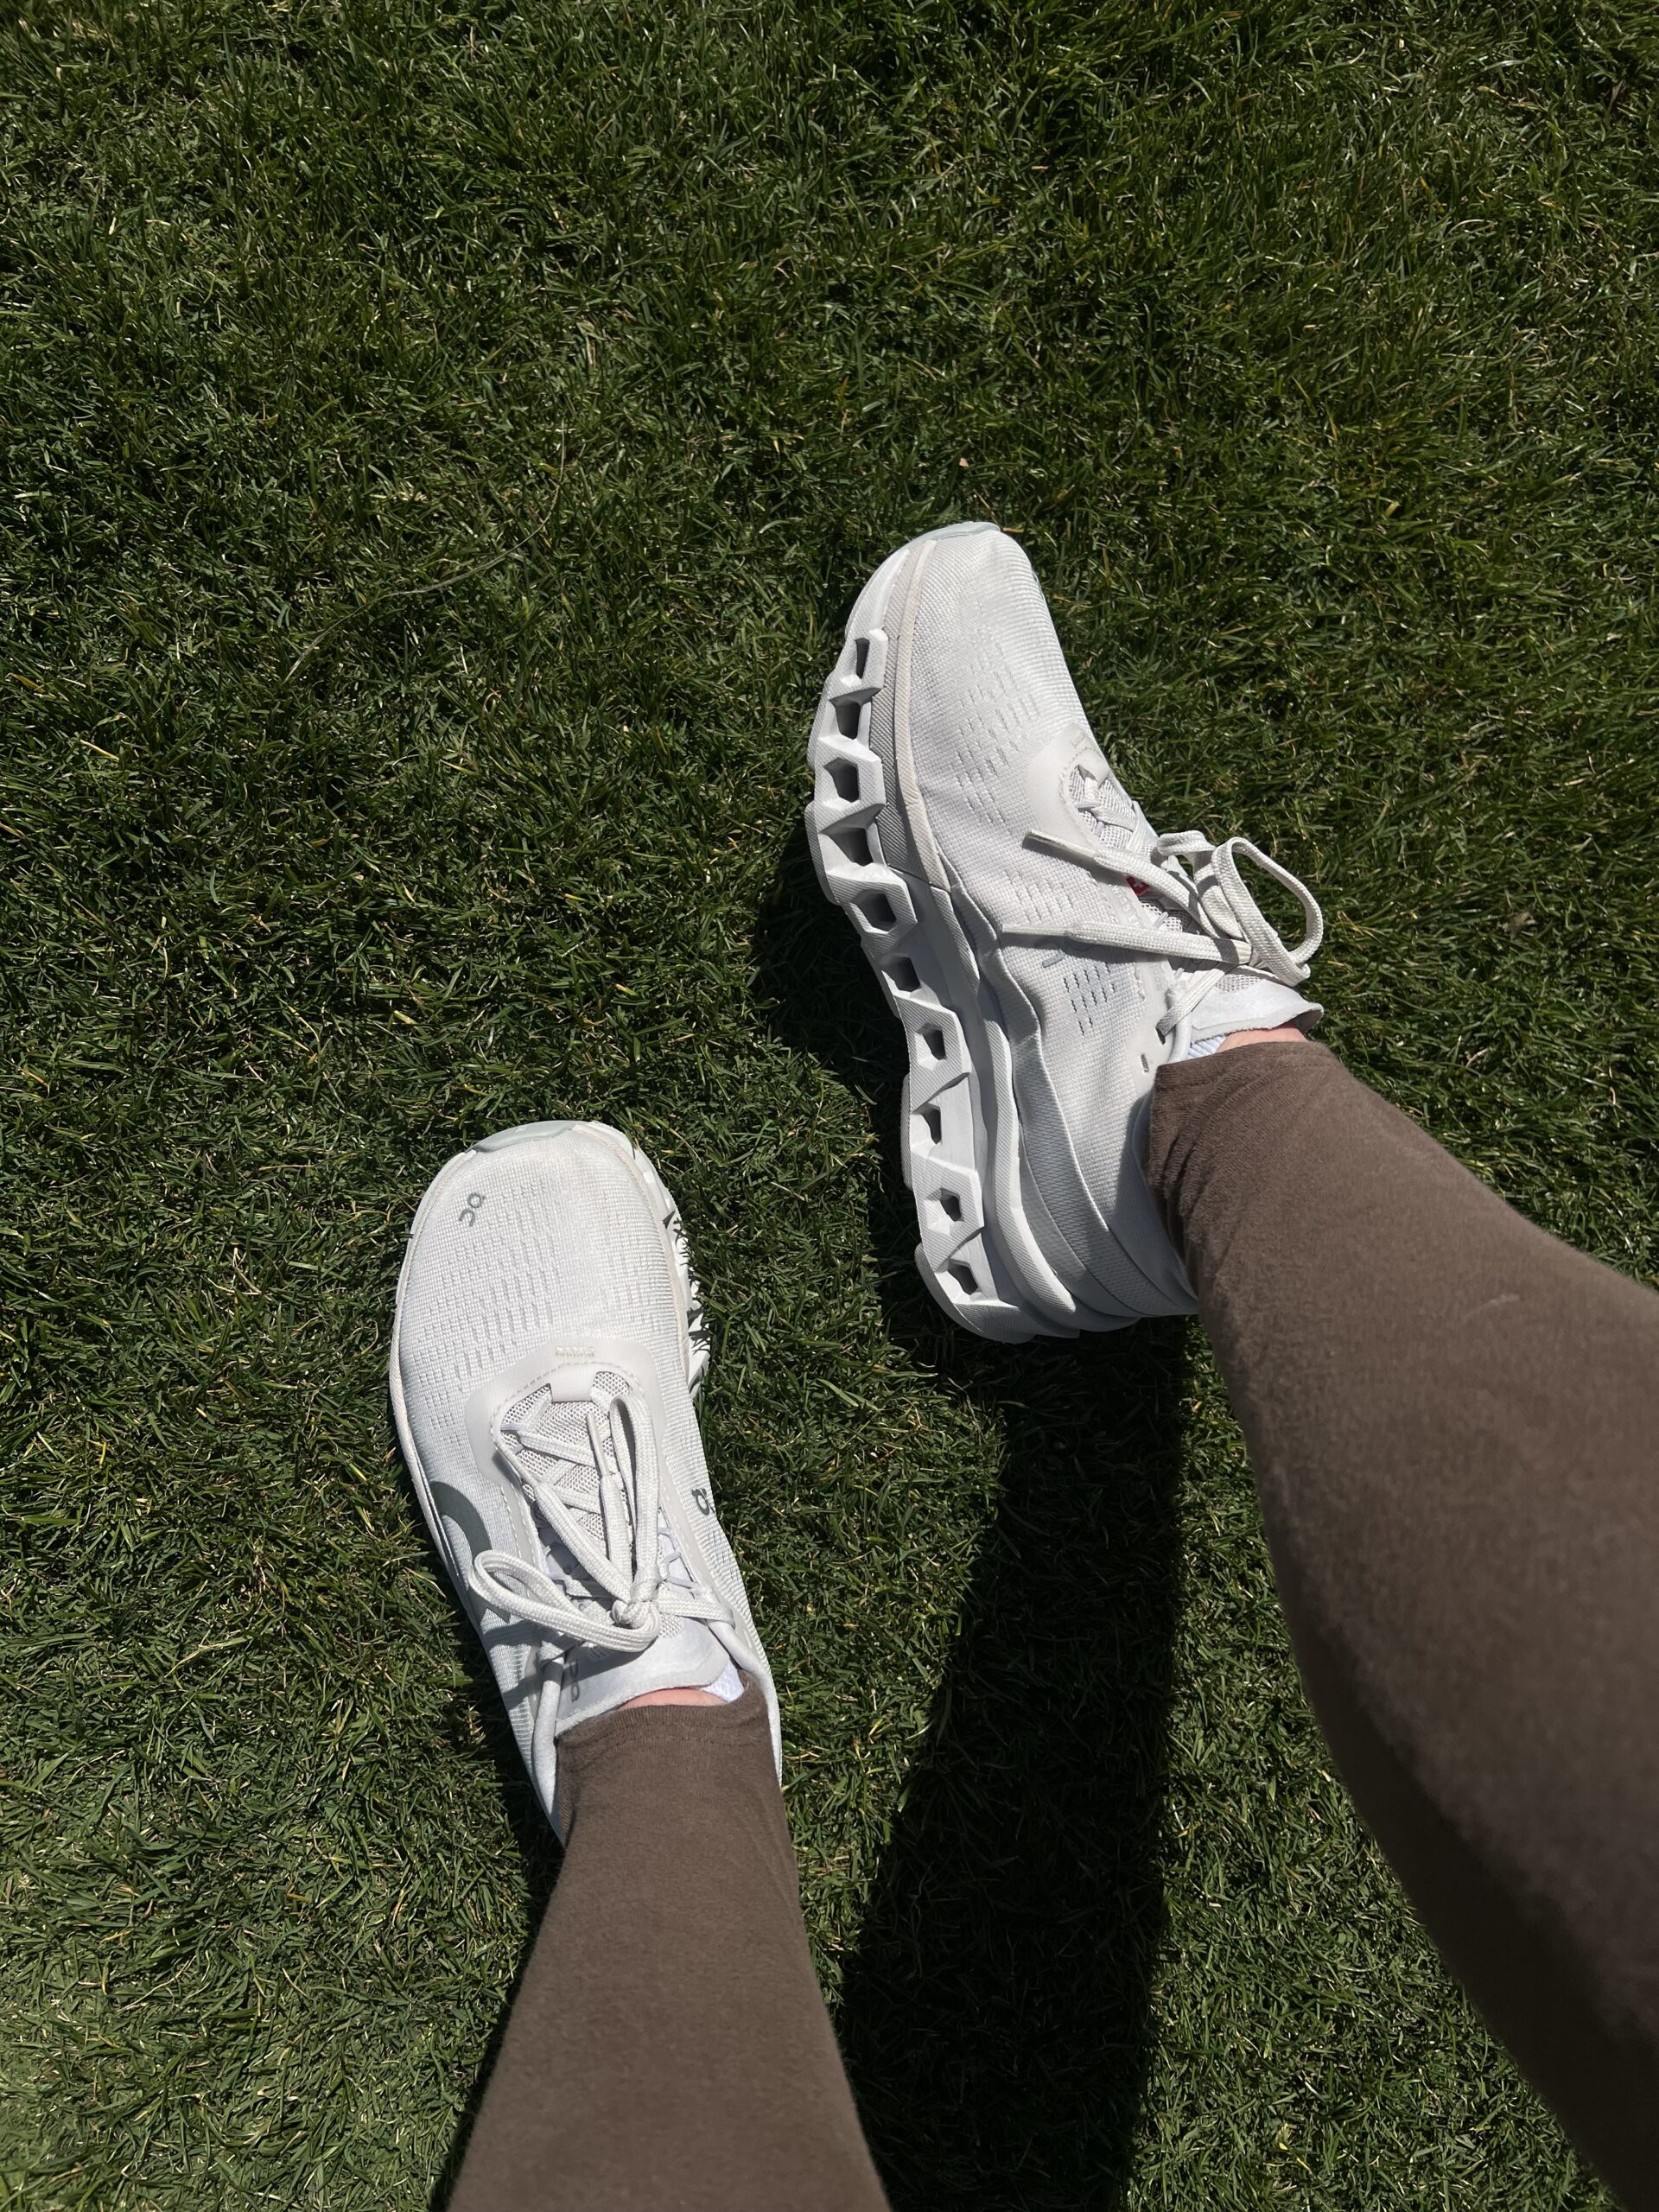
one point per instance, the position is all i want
(994, 2016)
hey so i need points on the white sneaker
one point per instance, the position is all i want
(547, 1343)
(1045, 951)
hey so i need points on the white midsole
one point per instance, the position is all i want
(978, 1253)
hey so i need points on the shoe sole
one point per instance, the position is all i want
(960, 1140)
(697, 1344)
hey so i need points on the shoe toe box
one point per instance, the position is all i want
(542, 1236)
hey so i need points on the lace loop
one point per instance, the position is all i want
(619, 1598)
(1230, 909)
(1219, 925)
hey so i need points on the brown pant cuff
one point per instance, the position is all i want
(695, 1743)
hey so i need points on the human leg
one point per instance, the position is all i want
(670, 2045)
(1050, 956)
(1450, 1417)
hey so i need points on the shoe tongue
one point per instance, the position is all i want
(1106, 809)
(560, 1428)
(1111, 817)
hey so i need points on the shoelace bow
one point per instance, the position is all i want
(628, 1571)
(1233, 933)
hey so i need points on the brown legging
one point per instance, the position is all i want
(1454, 1425)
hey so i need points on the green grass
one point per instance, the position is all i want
(439, 449)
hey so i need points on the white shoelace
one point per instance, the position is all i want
(628, 1595)
(1226, 933)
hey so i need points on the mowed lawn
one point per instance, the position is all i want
(441, 445)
